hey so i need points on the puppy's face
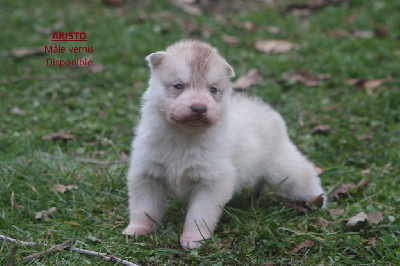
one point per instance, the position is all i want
(192, 82)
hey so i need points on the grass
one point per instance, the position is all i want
(101, 108)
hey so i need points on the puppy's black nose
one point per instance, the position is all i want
(199, 108)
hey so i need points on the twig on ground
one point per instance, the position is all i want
(104, 256)
(67, 244)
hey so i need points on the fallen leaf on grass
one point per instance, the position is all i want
(45, 213)
(308, 243)
(230, 40)
(364, 183)
(365, 172)
(317, 201)
(381, 31)
(252, 77)
(375, 217)
(321, 129)
(58, 135)
(340, 190)
(344, 189)
(94, 68)
(33, 188)
(305, 78)
(275, 46)
(250, 26)
(372, 218)
(25, 52)
(62, 188)
(189, 7)
(189, 26)
(304, 207)
(115, 2)
(273, 29)
(363, 34)
(71, 223)
(336, 212)
(365, 137)
(339, 33)
(369, 85)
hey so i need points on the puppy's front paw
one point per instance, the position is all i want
(137, 229)
(192, 240)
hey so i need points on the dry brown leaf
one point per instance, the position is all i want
(317, 201)
(340, 190)
(94, 68)
(363, 34)
(365, 172)
(372, 218)
(250, 26)
(273, 29)
(308, 243)
(361, 217)
(33, 188)
(304, 207)
(189, 7)
(71, 223)
(275, 46)
(339, 33)
(336, 212)
(12, 201)
(300, 209)
(230, 40)
(45, 213)
(62, 188)
(115, 2)
(375, 217)
(58, 135)
(206, 31)
(24, 52)
(321, 129)
(364, 183)
(189, 26)
(369, 85)
(305, 78)
(252, 77)
(365, 137)
(381, 31)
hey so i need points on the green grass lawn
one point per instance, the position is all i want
(100, 108)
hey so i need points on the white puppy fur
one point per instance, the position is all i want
(199, 142)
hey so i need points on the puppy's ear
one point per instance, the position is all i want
(230, 71)
(155, 59)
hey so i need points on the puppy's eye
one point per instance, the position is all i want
(213, 90)
(178, 86)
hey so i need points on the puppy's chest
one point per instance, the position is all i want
(180, 170)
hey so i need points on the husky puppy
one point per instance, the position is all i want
(199, 142)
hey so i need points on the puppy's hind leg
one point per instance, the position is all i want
(293, 175)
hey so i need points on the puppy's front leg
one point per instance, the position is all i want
(204, 212)
(147, 202)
